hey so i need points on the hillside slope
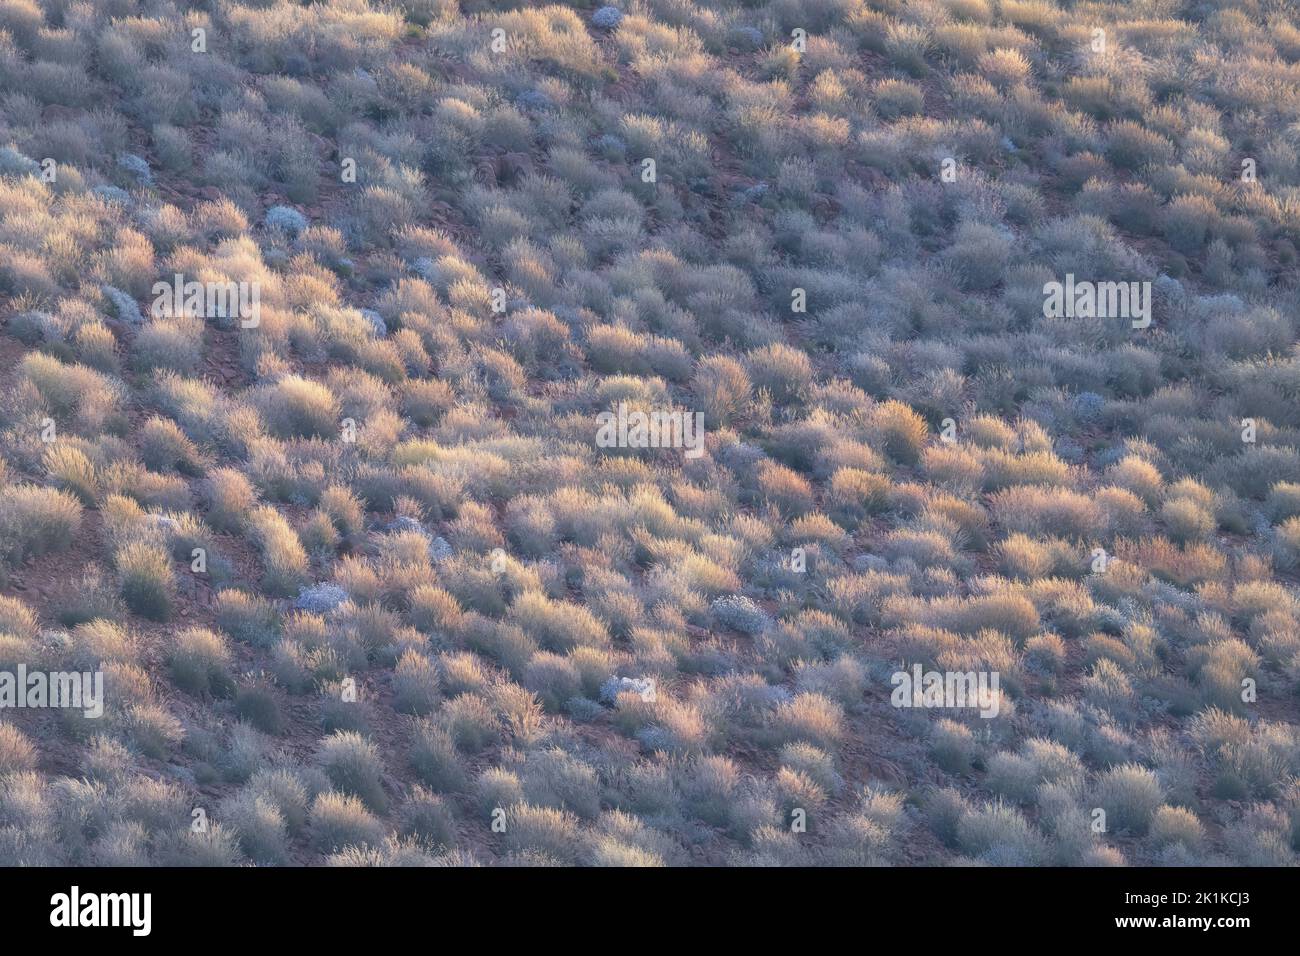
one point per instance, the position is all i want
(488, 434)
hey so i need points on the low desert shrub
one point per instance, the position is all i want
(145, 580)
(353, 765)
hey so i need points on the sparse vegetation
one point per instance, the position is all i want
(360, 557)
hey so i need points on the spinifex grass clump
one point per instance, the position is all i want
(146, 581)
